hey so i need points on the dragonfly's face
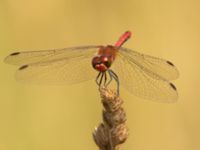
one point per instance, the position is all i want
(101, 63)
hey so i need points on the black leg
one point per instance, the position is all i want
(111, 78)
(97, 78)
(114, 75)
(105, 79)
(101, 78)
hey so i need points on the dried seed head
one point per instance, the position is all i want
(119, 134)
(115, 118)
(113, 131)
(100, 136)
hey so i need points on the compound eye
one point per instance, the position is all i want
(95, 61)
(107, 63)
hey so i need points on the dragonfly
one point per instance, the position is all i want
(143, 75)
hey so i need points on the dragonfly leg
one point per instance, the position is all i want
(111, 78)
(100, 78)
(105, 79)
(103, 76)
(115, 77)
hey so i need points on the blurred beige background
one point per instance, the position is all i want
(63, 117)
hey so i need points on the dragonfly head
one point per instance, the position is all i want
(101, 63)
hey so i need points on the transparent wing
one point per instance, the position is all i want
(65, 66)
(31, 57)
(155, 67)
(142, 81)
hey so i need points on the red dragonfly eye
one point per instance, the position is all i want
(106, 60)
(100, 63)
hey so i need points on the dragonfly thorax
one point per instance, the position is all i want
(101, 63)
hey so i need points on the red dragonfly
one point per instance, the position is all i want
(143, 75)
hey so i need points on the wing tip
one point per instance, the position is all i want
(170, 63)
(23, 67)
(173, 86)
(7, 58)
(15, 53)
